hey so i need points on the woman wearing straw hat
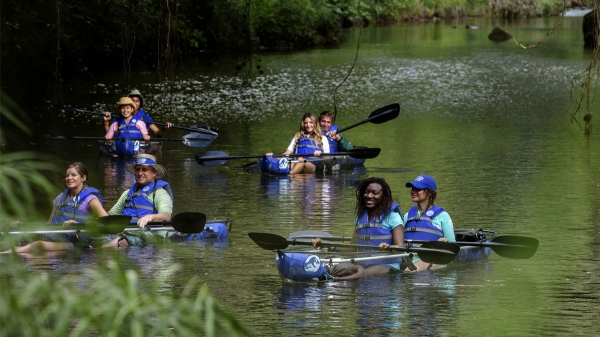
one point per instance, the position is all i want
(127, 126)
(140, 114)
(148, 200)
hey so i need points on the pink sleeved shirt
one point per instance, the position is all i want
(114, 127)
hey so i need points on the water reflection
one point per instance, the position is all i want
(116, 178)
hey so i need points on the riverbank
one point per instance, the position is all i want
(45, 43)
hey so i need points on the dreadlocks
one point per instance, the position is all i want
(386, 201)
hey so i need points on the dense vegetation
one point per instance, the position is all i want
(44, 40)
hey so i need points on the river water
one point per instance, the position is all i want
(488, 120)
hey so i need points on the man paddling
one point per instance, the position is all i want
(337, 142)
(148, 200)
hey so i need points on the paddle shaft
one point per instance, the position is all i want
(131, 139)
(473, 244)
(357, 246)
(358, 153)
(460, 243)
(201, 130)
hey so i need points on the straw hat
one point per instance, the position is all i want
(136, 93)
(126, 101)
(147, 160)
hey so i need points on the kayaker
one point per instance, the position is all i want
(308, 140)
(425, 220)
(378, 223)
(337, 142)
(150, 199)
(75, 204)
(139, 114)
(127, 126)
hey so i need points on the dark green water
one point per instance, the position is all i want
(489, 121)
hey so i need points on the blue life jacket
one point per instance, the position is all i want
(299, 267)
(333, 145)
(141, 115)
(272, 165)
(372, 233)
(305, 145)
(421, 228)
(137, 203)
(67, 208)
(129, 130)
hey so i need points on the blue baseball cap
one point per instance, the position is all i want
(422, 182)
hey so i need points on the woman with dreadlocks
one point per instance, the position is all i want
(425, 220)
(378, 223)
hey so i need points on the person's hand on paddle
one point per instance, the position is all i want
(269, 154)
(107, 117)
(317, 153)
(316, 243)
(69, 222)
(333, 135)
(443, 239)
(143, 221)
(146, 137)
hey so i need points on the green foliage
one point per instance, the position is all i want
(107, 301)
(300, 23)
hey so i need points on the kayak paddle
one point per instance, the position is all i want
(436, 252)
(510, 246)
(209, 130)
(217, 158)
(381, 115)
(111, 224)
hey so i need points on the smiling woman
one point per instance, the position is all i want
(310, 141)
(378, 223)
(74, 204)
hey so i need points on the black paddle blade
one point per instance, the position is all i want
(384, 114)
(111, 224)
(189, 222)
(446, 252)
(514, 247)
(367, 153)
(269, 241)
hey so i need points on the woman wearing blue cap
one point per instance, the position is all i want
(425, 220)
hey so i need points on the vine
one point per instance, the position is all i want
(353, 63)
(591, 73)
